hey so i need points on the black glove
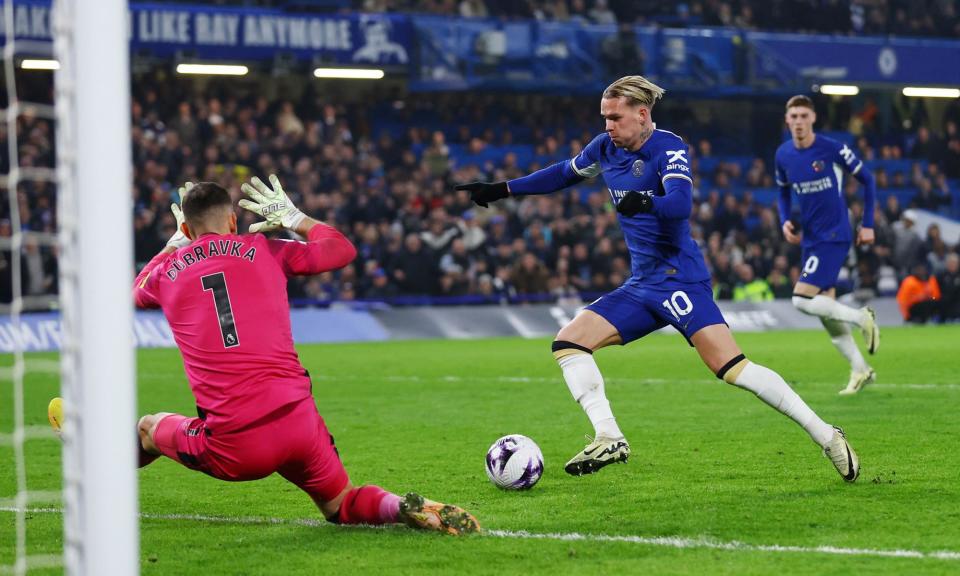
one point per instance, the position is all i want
(635, 203)
(483, 192)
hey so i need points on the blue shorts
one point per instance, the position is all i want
(820, 263)
(636, 310)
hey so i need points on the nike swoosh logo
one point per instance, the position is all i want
(608, 450)
(852, 473)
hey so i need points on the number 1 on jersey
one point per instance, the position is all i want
(217, 283)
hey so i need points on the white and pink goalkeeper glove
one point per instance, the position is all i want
(179, 239)
(272, 204)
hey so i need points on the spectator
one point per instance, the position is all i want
(530, 276)
(918, 296)
(473, 9)
(288, 123)
(750, 288)
(927, 198)
(415, 269)
(908, 248)
(185, 126)
(925, 147)
(621, 52)
(39, 269)
(892, 208)
(456, 266)
(437, 156)
(440, 233)
(936, 250)
(601, 14)
(723, 277)
(949, 281)
(779, 278)
(952, 157)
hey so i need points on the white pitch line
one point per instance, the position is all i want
(612, 379)
(705, 381)
(917, 386)
(679, 542)
(684, 542)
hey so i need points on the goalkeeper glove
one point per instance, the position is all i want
(179, 239)
(483, 192)
(635, 203)
(277, 210)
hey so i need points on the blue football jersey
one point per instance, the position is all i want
(815, 175)
(660, 248)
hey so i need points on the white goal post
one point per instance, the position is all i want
(92, 101)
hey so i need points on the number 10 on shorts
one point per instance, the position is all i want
(679, 304)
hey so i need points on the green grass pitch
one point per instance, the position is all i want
(711, 463)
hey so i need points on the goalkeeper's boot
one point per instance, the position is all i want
(870, 330)
(597, 454)
(418, 512)
(842, 455)
(858, 380)
(55, 415)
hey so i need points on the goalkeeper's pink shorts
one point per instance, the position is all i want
(294, 443)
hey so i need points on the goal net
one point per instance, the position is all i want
(89, 243)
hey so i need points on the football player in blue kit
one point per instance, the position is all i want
(812, 165)
(647, 171)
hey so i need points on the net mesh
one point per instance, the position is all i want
(28, 244)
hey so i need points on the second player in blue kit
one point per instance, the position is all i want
(647, 171)
(812, 166)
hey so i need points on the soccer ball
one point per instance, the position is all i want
(514, 462)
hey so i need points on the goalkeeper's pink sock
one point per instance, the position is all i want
(369, 505)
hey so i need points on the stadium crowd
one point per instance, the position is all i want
(936, 18)
(874, 17)
(391, 192)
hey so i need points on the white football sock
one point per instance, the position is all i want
(826, 307)
(586, 384)
(841, 338)
(772, 389)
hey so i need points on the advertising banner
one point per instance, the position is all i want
(217, 32)
(845, 59)
(42, 331)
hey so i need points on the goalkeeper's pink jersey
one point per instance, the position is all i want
(225, 298)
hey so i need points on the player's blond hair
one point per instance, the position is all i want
(637, 89)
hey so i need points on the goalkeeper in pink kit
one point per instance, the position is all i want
(224, 296)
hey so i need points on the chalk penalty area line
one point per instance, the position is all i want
(677, 542)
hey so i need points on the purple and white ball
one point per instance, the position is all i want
(514, 462)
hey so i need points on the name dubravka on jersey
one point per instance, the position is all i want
(203, 250)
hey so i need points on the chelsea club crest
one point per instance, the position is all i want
(637, 169)
(818, 165)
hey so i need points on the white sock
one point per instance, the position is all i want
(826, 307)
(772, 389)
(841, 338)
(586, 384)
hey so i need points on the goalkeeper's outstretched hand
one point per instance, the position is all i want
(179, 239)
(484, 192)
(272, 204)
(635, 203)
